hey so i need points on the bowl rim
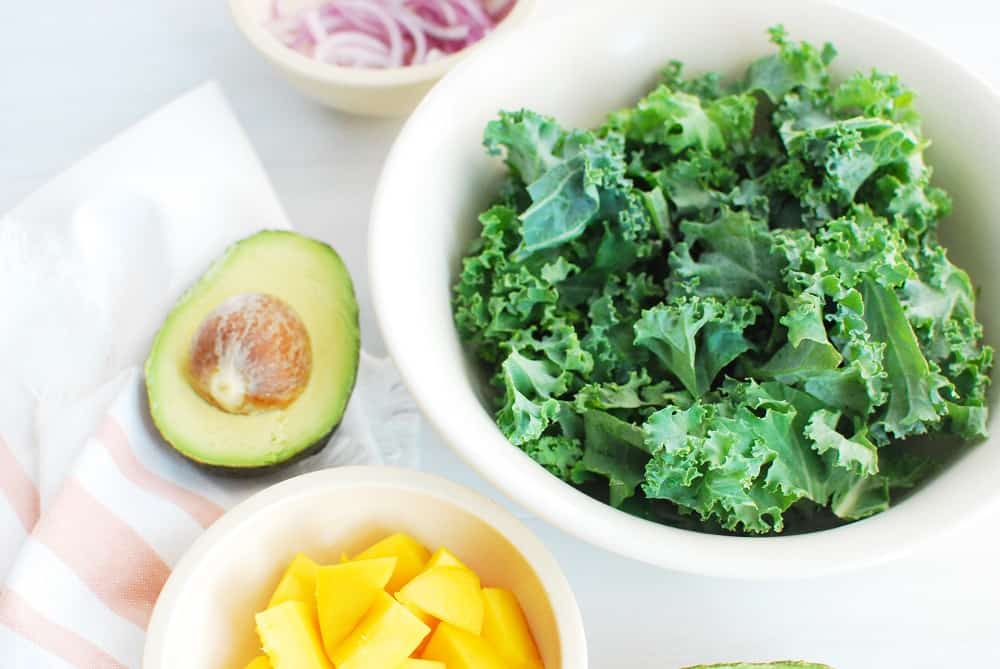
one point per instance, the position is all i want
(281, 55)
(565, 609)
(782, 557)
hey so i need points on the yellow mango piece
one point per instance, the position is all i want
(411, 663)
(426, 619)
(450, 594)
(444, 558)
(345, 592)
(411, 557)
(505, 626)
(386, 636)
(260, 662)
(289, 635)
(459, 649)
(298, 582)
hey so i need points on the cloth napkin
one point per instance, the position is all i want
(94, 508)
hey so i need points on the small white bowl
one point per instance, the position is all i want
(204, 618)
(578, 67)
(366, 91)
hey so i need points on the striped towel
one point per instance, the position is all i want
(94, 510)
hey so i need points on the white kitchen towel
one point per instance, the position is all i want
(94, 508)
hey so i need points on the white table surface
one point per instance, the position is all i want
(72, 74)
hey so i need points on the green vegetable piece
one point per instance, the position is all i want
(914, 402)
(738, 259)
(796, 65)
(531, 142)
(695, 338)
(614, 448)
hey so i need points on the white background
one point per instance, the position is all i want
(72, 74)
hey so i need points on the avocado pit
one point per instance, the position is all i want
(250, 354)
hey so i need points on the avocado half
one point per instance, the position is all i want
(763, 665)
(311, 281)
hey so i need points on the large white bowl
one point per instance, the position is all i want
(577, 68)
(204, 617)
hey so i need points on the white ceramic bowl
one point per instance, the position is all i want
(371, 92)
(204, 616)
(579, 67)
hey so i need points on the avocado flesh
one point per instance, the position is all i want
(311, 278)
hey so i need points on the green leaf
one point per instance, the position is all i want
(614, 448)
(708, 462)
(738, 257)
(796, 65)
(530, 392)
(530, 141)
(850, 151)
(914, 402)
(877, 95)
(676, 120)
(567, 198)
(695, 338)
(560, 455)
(563, 203)
(856, 454)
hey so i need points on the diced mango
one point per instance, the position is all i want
(386, 636)
(411, 663)
(443, 558)
(289, 635)
(411, 557)
(345, 592)
(426, 619)
(259, 662)
(451, 594)
(505, 626)
(298, 582)
(459, 649)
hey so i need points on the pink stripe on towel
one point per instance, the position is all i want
(111, 434)
(110, 557)
(21, 618)
(20, 491)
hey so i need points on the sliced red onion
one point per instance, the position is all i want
(454, 33)
(475, 11)
(384, 33)
(313, 24)
(392, 27)
(409, 21)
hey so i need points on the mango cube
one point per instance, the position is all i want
(345, 592)
(259, 662)
(444, 558)
(459, 649)
(410, 556)
(289, 635)
(506, 628)
(411, 663)
(298, 583)
(451, 594)
(426, 619)
(385, 637)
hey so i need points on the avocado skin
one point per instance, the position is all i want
(251, 472)
(785, 664)
(235, 471)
